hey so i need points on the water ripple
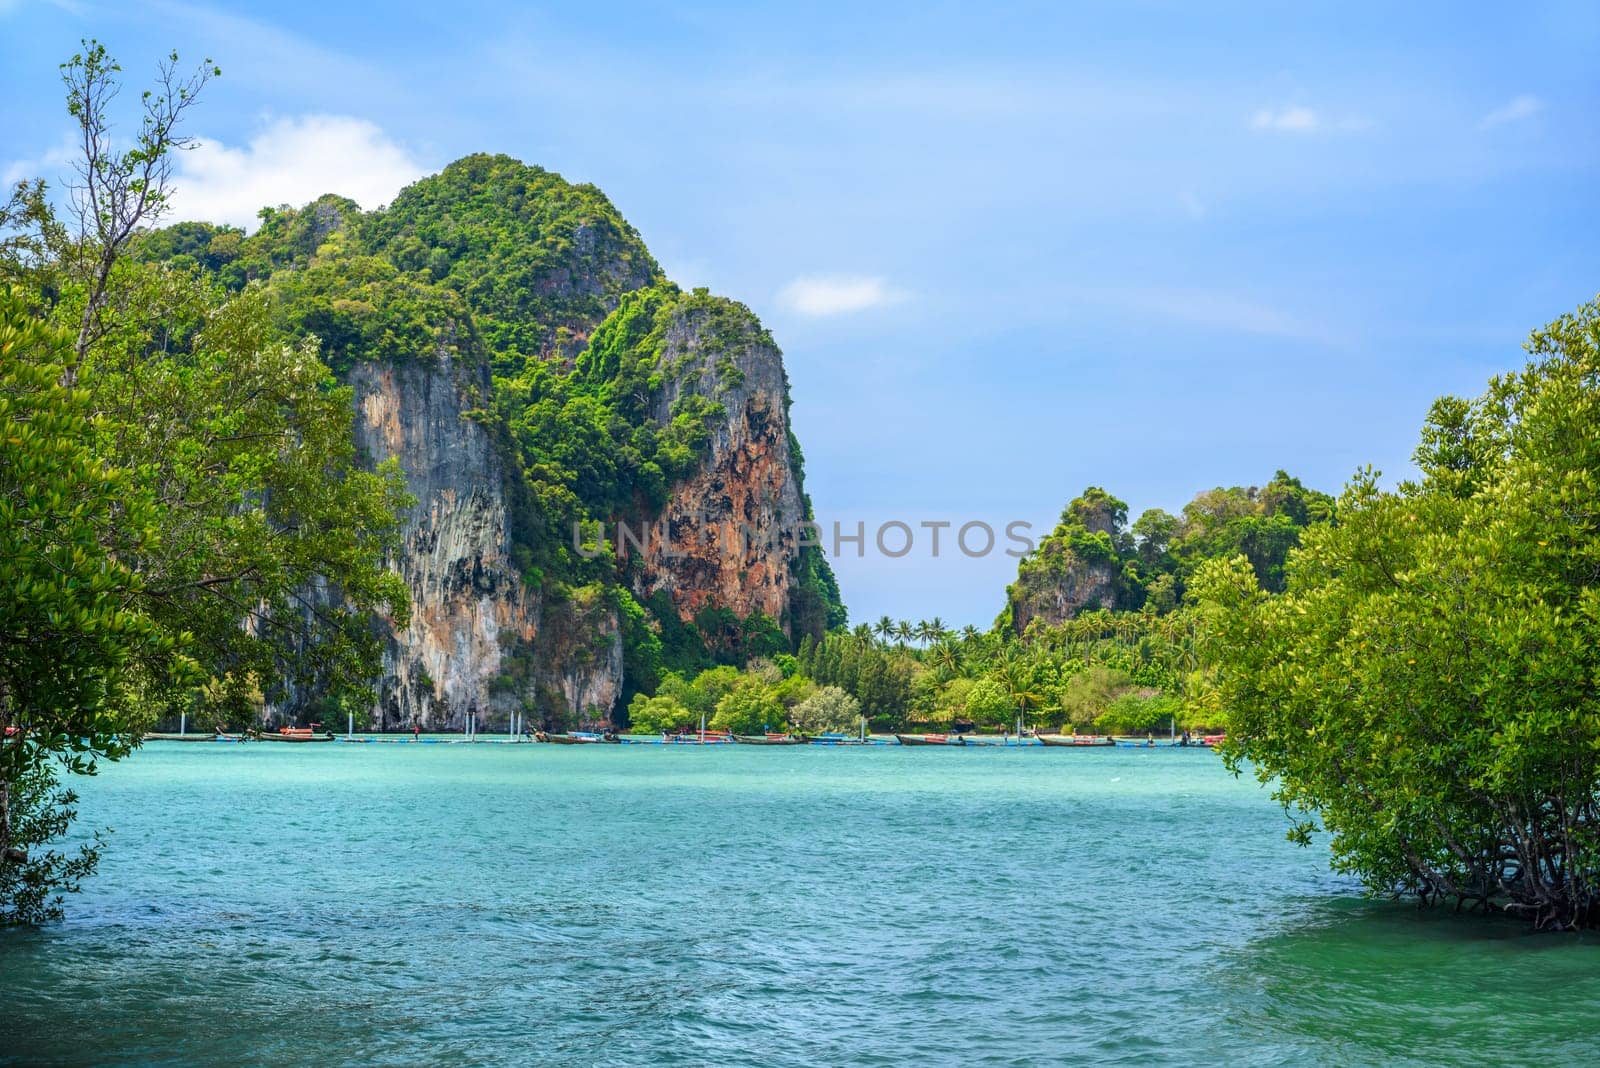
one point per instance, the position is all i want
(383, 905)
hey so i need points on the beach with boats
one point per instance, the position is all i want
(705, 736)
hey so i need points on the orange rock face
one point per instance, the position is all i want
(728, 533)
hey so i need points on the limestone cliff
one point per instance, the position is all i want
(732, 528)
(471, 609)
(1077, 568)
(1059, 584)
(511, 342)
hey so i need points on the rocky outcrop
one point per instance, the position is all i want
(1077, 568)
(1056, 584)
(479, 640)
(729, 532)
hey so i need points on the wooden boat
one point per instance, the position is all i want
(167, 736)
(1073, 741)
(294, 734)
(768, 739)
(579, 738)
(929, 739)
(698, 738)
(835, 738)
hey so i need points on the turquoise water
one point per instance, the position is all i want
(636, 905)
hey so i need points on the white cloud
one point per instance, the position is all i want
(291, 161)
(1293, 119)
(821, 295)
(52, 165)
(1522, 107)
(1297, 119)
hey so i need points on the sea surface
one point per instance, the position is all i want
(647, 905)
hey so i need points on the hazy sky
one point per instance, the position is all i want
(1009, 250)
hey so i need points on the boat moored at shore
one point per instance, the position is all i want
(295, 734)
(1075, 741)
(931, 739)
(768, 739)
(576, 738)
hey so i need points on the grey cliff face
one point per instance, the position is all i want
(471, 612)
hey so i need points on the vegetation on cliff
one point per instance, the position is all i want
(538, 259)
(494, 263)
(1094, 560)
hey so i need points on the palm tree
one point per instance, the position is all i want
(946, 657)
(884, 628)
(903, 632)
(1026, 699)
(923, 631)
(1016, 675)
(937, 631)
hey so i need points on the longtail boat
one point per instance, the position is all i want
(768, 739)
(294, 734)
(836, 738)
(575, 738)
(929, 739)
(699, 738)
(164, 736)
(1073, 741)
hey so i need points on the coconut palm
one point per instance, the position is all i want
(1015, 673)
(903, 632)
(884, 628)
(946, 659)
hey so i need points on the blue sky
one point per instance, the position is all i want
(1009, 250)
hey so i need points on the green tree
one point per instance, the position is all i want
(244, 443)
(1135, 712)
(946, 658)
(653, 715)
(77, 656)
(1089, 694)
(750, 707)
(118, 191)
(185, 520)
(828, 709)
(1427, 686)
(989, 703)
